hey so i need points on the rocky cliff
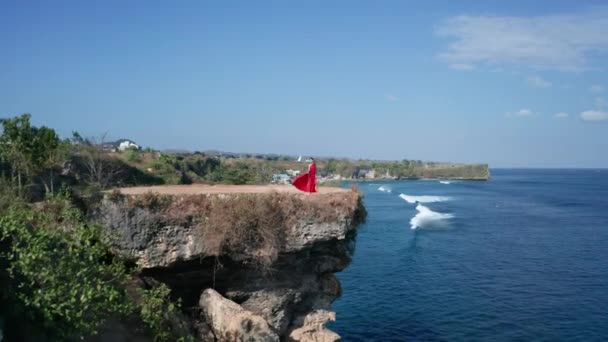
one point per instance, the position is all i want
(252, 265)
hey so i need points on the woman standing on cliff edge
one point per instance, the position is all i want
(307, 182)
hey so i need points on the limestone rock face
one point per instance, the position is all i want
(230, 322)
(181, 228)
(267, 273)
(312, 328)
(275, 306)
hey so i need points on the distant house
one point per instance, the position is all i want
(127, 144)
(120, 145)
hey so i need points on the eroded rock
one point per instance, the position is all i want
(164, 231)
(230, 322)
(311, 328)
(271, 258)
(276, 306)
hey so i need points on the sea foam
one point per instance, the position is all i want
(428, 218)
(445, 182)
(385, 189)
(424, 199)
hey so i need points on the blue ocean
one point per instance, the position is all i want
(522, 257)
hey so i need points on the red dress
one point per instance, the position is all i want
(307, 182)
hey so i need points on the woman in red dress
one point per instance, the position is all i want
(308, 181)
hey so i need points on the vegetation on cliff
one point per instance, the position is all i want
(38, 161)
(60, 280)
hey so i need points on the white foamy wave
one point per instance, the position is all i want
(424, 199)
(385, 189)
(428, 218)
(445, 182)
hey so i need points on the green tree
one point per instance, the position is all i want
(31, 151)
(332, 166)
(15, 146)
(47, 151)
(101, 169)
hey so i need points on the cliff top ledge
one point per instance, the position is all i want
(157, 226)
(196, 189)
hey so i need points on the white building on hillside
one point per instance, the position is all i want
(127, 144)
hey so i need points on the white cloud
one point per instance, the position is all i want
(522, 113)
(594, 115)
(561, 115)
(538, 82)
(596, 88)
(462, 67)
(560, 42)
(391, 97)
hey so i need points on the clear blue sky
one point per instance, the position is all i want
(511, 83)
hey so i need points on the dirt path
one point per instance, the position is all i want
(221, 189)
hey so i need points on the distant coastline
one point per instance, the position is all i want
(364, 180)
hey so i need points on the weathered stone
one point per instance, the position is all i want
(311, 328)
(140, 234)
(230, 322)
(203, 330)
(152, 240)
(275, 306)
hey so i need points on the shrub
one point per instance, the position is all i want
(132, 155)
(9, 194)
(65, 285)
(150, 200)
(247, 227)
(161, 315)
(115, 196)
(250, 227)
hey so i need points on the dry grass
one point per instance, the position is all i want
(250, 227)
(196, 189)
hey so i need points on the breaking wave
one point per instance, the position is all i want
(424, 199)
(428, 218)
(385, 189)
(445, 182)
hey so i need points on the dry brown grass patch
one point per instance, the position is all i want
(248, 227)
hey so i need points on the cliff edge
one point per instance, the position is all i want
(255, 263)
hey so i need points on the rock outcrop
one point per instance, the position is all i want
(258, 266)
(311, 327)
(230, 322)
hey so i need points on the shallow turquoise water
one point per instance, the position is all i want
(521, 257)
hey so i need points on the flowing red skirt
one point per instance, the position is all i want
(305, 183)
